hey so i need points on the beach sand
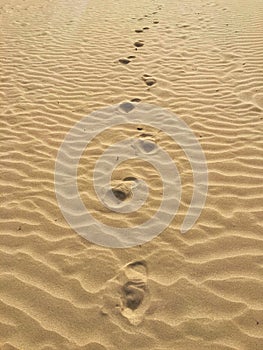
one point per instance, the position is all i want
(62, 60)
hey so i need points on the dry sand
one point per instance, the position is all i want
(60, 62)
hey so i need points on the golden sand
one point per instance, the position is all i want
(61, 60)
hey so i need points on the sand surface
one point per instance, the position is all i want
(59, 61)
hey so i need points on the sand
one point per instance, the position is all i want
(62, 60)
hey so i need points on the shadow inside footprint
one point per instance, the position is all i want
(121, 195)
(148, 80)
(124, 61)
(126, 107)
(133, 294)
(136, 100)
(138, 44)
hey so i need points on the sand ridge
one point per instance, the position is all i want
(60, 60)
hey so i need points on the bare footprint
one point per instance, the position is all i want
(138, 43)
(134, 292)
(149, 81)
(124, 61)
(127, 295)
(136, 100)
(141, 30)
(146, 143)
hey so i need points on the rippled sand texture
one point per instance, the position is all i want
(61, 60)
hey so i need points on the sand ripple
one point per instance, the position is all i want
(59, 62)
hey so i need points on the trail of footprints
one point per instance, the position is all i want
(148, 80)
(127, 294)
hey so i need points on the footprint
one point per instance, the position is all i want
(127, 295)
(126, 107)
(136, 100)
(138, 43)
(124, 60)
(149, 81)
(121, 192)
(141, 30)
(134, 292)
(155, 22)
(146, 144)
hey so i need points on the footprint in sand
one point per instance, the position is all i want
(134, 292)
(126, 60)
(141, 30)
(138, 43)
(136, 100)
(149, 81)
(127, 295)
(146, 143)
